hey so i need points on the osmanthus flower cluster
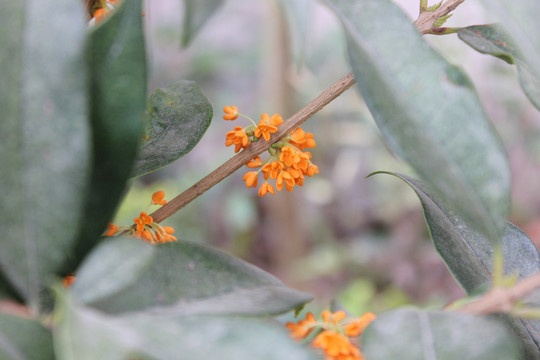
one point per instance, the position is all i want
(144, 226)
(288, 163)
(335, 334)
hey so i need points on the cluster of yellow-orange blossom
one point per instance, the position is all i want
(336, 335)
(288, 163)
(145, 227)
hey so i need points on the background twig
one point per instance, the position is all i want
(425, 20)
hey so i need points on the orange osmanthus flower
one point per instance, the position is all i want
(238, 137)
(68, 281)
(251, 178)
(357, 326)
(158, 198)
(231, 113)
(255, 163)
(266, 188)
(303, 328)
(112, 229)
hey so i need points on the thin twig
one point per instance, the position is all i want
(501, 300)
(425, 20)
(253, 150)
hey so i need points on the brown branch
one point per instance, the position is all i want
(253, 150)
(425, 20)
(501, 300)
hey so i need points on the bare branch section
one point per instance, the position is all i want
(253, 150)
(500, 300)
(425, 21)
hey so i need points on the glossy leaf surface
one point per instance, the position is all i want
(520, 20)
(117, 63)
(44, 138)
(179, 278)
(469, 255)
(94, 335)
(411, 334)
(176, 119)
(428, 111)
(24, 339)
(493, 40)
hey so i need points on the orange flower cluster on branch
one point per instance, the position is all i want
(335, 333)
(144, 226)
(288, 163)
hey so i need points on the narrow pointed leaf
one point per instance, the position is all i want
(176, 119)
(411, 334)
(196, 13)
(428, 111)
(91, 334)
(44, 138)
(520, 20)
(116, 58)
(469, 255)
(179, 278)
(493, 40)
(24, 339)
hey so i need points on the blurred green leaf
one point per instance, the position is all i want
(182, 278)
(493, 40)
(298, 14)
(176, 119)
(196, 13)
(44, 138)
(410, 334)
(428, 111)
(117, 62)
(520, 20)
(469, 255)
(94, 335)
(24, 339)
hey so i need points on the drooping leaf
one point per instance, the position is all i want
(24, 339)
(493, 40)
(469, 255)
(44, 138)
(410, 334)
(94, 335)
(176, 119)
(428, 111)
(180, 278)
(520, 20)
(196, 13)
(117, 63)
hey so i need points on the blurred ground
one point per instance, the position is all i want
(362, 241)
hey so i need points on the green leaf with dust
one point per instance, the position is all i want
(493, 40)
(44, 138)
(428, 111)
(24, 339)
(520, 20)
(196, 13)
(176, 119)
(92, 334)
(179, 278)
(411, 334)
(469, 255)
(117, 62)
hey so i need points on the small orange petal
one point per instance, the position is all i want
(158, 198)
(251, 178)
(231, 113)
(68, 281)
(112, 229)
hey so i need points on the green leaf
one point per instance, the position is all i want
(44, 138)
(24, 339)
(176, 119)
(196, 13)
(428, 111)
(182, 278)
(493, 40)
(117, 62)
(411, 334)
(469, 255)
(91, 335)
(298, 14)
(520, 19)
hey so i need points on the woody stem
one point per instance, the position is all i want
(253, 150)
